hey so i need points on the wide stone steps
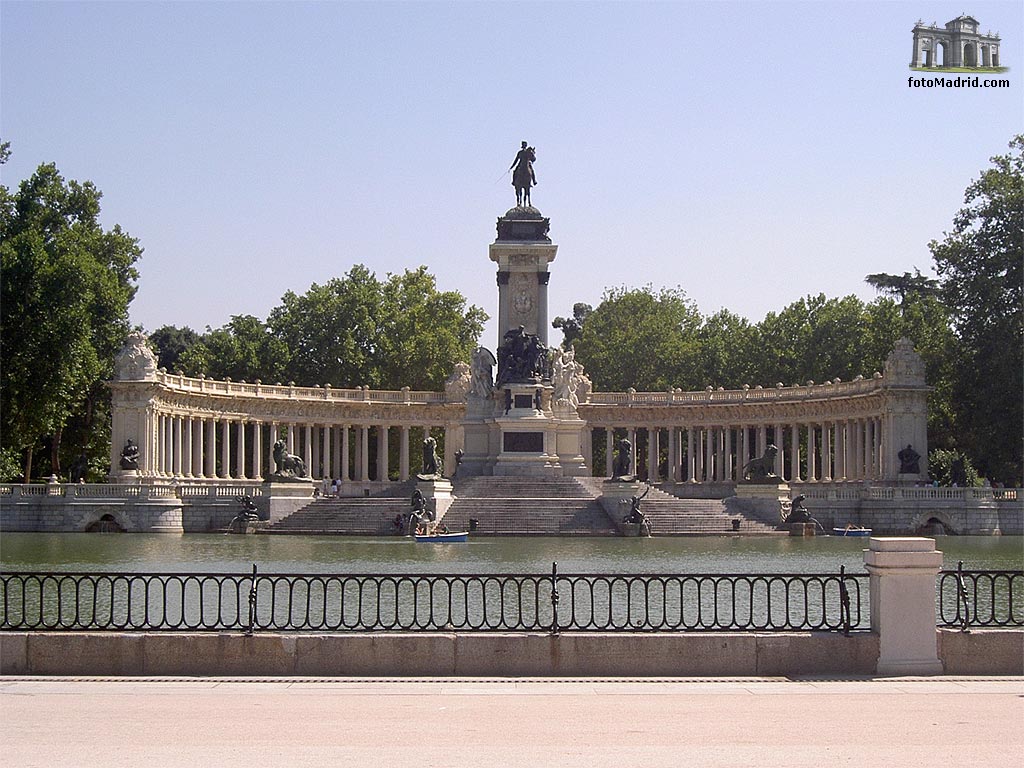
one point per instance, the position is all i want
(357, 516)
(516, 487)
(512, 506)
(672, 516)
(530, 517)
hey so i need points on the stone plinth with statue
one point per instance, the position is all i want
(521, 410)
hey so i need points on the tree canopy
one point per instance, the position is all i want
(639, 338)
(65, 291)
(351, 331)
(979, 263)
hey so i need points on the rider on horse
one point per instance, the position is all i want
(522, 173)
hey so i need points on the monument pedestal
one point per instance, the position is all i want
(615, 499)
(124, 477)
(437, 493)
(764, 501)
(283, 498)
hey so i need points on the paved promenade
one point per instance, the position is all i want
(264, 723)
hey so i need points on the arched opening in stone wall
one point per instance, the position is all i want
(941, 54)
(970, 55)
(933, 526)
(106, 524)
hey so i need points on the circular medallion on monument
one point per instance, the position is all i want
(522, 302)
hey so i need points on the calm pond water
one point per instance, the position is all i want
(348, 554)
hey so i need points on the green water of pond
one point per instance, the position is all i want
(348, 554)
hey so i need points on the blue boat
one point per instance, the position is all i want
(441, 538)
(851, 530)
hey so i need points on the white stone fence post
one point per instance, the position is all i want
(903, 571)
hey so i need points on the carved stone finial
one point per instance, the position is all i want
(457, 386)
(904, 366)
(135, 361)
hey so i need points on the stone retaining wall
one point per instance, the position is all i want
(992, 652)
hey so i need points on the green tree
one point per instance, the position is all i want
(640, 338)
(387, 334)
(979, 264)
(727, 344)
(65, 289)
(243, 350)
(572, 327)
(815, 339)
(905, 287)
(169, 343)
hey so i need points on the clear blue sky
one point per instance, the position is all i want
(750, 153)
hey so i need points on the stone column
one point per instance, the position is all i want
(869, 439)
(225, 448)
(403, 454)
(709, 454)
(240, 451)
(186, 446)
(826, 454)
(672, 475)
(307, 449)
(364, 452)
(210, 468)
(338, 472)
(382, 453)
(632, 449)
(903, 573)
(762, 440)
(780, 444)
(691, 462)
(744, 451)
(794, 459)
(328, 470)
(257, 450)
(727, 466)
(176, 446)
(345, 474)
(146, 464)
(197, 446)
(853, 450)
(291, 438)
(272, 438)
(168, 446)
(315, 472)
(652, 454)
(812, 470)
(879, 449)
(542, 306)
(503, 303)
(609, 450)
(840, 455)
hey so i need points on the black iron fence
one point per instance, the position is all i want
(980, 598)
(550, 602)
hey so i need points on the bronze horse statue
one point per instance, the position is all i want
(523, 176)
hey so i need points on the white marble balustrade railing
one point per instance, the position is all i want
(777, 394)
(130, 491)
(278, 391)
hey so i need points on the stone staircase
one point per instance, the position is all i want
(672, 516)
(527, 506)
(521, 506)
(351, 516)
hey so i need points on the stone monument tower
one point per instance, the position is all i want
(522, 252)
(520, 422)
